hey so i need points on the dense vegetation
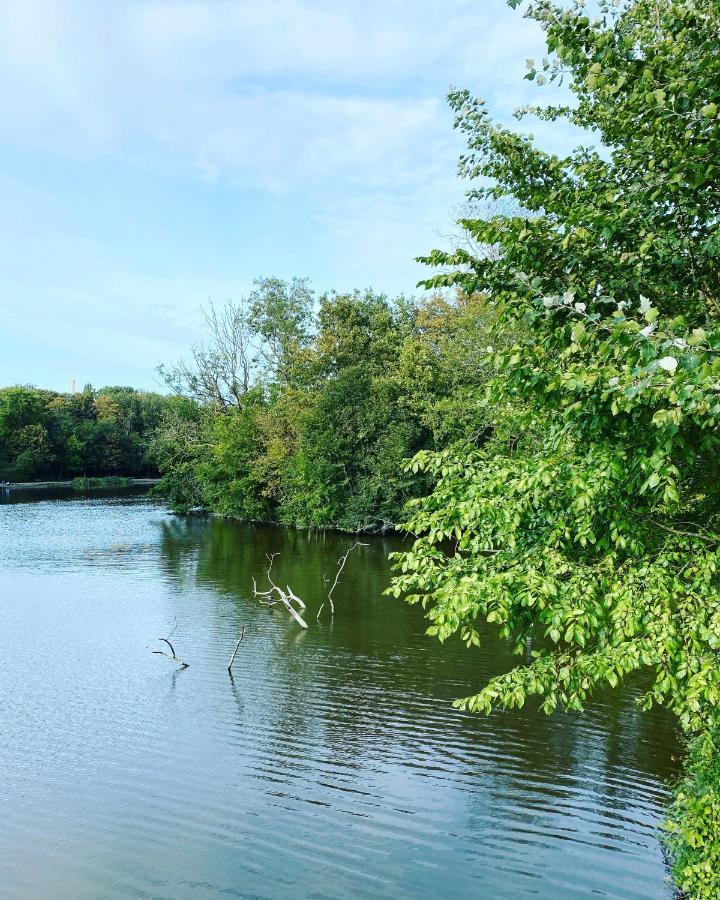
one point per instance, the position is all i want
(302, 413)
(47, 436)
(588, 522)
(560, 410)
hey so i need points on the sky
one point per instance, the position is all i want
(158, 154)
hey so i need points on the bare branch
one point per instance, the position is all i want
(172, 649)
(174, 657)
(295, 598)
(221, 372)
(287, 598)
(232, 658)
(341, 566)
(271, 560)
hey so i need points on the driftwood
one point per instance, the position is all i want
(239, 641)
(276, 594)
(175, 658)
(341, 566)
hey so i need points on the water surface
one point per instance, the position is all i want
(330, 765)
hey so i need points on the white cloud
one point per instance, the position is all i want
(328, 113)
(275, 90)
(285, 139)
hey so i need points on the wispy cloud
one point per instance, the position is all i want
(315, 130)
(274, 90)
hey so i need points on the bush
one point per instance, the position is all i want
(85, 483)
(694, 825)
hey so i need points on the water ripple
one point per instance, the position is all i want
(330, 765)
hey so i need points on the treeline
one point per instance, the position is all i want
(301, 410)
(46, 435)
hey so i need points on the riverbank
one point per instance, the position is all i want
(31, 485)
(382, 530)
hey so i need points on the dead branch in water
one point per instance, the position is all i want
(232, 658)
(295, 598)
(276, 595)
(174, 657)
(341, 566)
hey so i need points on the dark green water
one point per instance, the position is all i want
(331, 765)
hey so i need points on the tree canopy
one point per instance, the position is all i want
(340, 393)
(588, 520)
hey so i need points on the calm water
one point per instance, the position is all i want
(331, 765)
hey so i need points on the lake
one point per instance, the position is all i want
(330, 765)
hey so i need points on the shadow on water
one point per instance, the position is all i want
(329, 764)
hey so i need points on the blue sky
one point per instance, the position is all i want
(155, 154)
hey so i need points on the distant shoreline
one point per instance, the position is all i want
(29, 485)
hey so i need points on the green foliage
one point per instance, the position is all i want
(279, 317)
(588, 519)
(342, 398)
(351, 429)
(88, 483)
(229, 480)
(47, 436)
(179, 445)
(695, 819)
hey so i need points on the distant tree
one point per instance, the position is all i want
(45, 435)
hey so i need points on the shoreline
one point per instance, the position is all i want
(387, 528)
(31, 485)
